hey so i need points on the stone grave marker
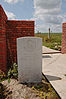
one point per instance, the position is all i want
(29, 57)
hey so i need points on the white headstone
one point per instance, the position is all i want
(29, 57)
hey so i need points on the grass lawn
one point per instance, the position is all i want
(54, 42)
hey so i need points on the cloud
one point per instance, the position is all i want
(64, 18)
(52, 22)
(10, 15)
(13, 1)
(47, 6)
(56, 19)
(44, 28)
(48, 14)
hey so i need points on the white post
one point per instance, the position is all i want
(49, 34)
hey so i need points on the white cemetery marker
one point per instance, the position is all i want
(29, 56)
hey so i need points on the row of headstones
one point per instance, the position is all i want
(29, 57)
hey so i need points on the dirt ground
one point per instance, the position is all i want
(15, 90)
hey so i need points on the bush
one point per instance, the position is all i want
(2, 75)
(13, 71)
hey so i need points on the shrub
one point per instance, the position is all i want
(13, 71)
(2, 75)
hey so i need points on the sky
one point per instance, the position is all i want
(46, 13)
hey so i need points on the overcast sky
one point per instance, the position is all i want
(46, 13)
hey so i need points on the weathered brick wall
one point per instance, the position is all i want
(3, 50)
(64, 38)
(15, 29)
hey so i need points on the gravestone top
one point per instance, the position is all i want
(29, 38)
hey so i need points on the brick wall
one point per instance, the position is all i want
(64, 38)
(16, 29)
(9, 31)
(3, 50)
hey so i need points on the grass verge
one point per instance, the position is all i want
(54, 42)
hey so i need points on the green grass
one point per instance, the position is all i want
(45, 90)
(54, 42)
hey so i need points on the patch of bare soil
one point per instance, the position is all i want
(15, 90)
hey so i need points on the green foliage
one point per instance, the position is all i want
(44, 90)
(54, 42)
(13, 72)
(2, 76)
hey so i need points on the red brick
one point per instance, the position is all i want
(10, 30)
(64, 38)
